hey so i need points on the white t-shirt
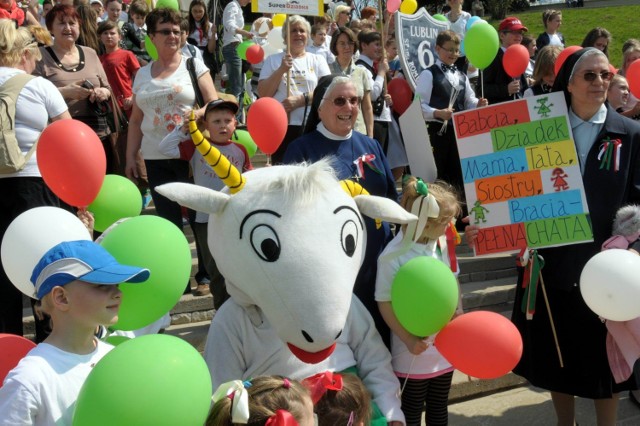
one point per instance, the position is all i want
(430, 363)
(164, 102)
(43, 388)
(305, 73)
(38, 100)
(323, 51)
(460, 25)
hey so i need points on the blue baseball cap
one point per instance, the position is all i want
(81, 260)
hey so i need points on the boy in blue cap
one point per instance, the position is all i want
(77, 282)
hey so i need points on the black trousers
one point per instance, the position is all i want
(164, 171)
(17, 195)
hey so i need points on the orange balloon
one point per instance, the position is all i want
(267, 124)
(401, 94)
(566, 52)
(72, 161)
(481, 344)
(515, 60)
(12, 349)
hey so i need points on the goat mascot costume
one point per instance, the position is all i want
(289, 241)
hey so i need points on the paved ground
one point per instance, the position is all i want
(529, 406)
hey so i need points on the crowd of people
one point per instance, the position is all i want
(332, 82)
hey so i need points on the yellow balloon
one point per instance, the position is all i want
(279, 18)
(409, 6)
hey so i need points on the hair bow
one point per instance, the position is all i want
(320, 383)
(282, 418)
(235, 390)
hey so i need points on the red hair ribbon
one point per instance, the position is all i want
(320, 383)
(282, 418)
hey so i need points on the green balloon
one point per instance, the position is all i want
(481, 44)
(115, 340)
(440, 17)
(424, 295)
(171, 4)
(118, 198)
(244, 138)
(156, 379)
(150, 48)
(242, 49)
(158, 245)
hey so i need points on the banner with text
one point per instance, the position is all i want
(521, 175)
(289, 7)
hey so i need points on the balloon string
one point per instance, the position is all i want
(406, 379)
(268, 160)
(482, 83)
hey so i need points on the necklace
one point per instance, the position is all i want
(59, 64)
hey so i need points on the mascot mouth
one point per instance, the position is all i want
(311, 357)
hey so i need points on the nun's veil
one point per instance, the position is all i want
(313, 119)
(568, 67)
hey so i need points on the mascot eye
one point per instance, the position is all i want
(265, 243)
(349, 237)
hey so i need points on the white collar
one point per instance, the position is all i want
(327, 134)
(598, 118)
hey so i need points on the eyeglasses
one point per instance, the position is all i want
(591, 76)
(346, 44)
(452, 51)
(341, 101)
(167, 33)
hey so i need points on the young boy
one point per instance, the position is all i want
(319, 43)
(435, 86)
(133, 33)
(220, 122)
(77, 282)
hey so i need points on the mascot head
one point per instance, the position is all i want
(290, 240)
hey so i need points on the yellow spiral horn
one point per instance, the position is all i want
(226, 171)
(354, 188)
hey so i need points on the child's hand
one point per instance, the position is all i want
(416, 345)
(513, 87)
(470, 232)
(482, 102)
(87, 219)
(127, 103)
(445, 114)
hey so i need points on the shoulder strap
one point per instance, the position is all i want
(12, 87)
(367, 66)
(194, 81)
(192, 49)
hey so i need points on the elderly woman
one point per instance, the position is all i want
(584, 78)
(291, 78)
(77, 73)
(38, 102)
(343, 46)
(357, 157)
(163, 96)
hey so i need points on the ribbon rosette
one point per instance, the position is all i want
(236, 391)
(320, 383)
(610, 150)
(282, 418)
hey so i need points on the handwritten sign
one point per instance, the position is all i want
(289, 7)
(521, 175)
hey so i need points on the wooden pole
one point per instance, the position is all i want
(383, 35)
(287, 40)
(553, 327)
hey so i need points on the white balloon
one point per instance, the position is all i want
(275, 38)
(30, 236)
(610, 284)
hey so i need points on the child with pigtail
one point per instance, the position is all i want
(263, 401)
(339, 399)
(425, 375)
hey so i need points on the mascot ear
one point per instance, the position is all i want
(195, 197)
(383, 208)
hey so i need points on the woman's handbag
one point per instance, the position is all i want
(116, 118)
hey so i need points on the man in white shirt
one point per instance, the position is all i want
(233, 22)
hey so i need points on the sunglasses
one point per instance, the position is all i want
(167, 33)
(591, 76)
(341, 101)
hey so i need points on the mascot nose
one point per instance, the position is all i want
(309, 339)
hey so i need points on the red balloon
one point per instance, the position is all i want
(401, 94)
(481, 344)
(267, 124)
(255, 54)
(12, 349)
(72, 161)
(515, 60)
(633, 77)
(566, 52)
